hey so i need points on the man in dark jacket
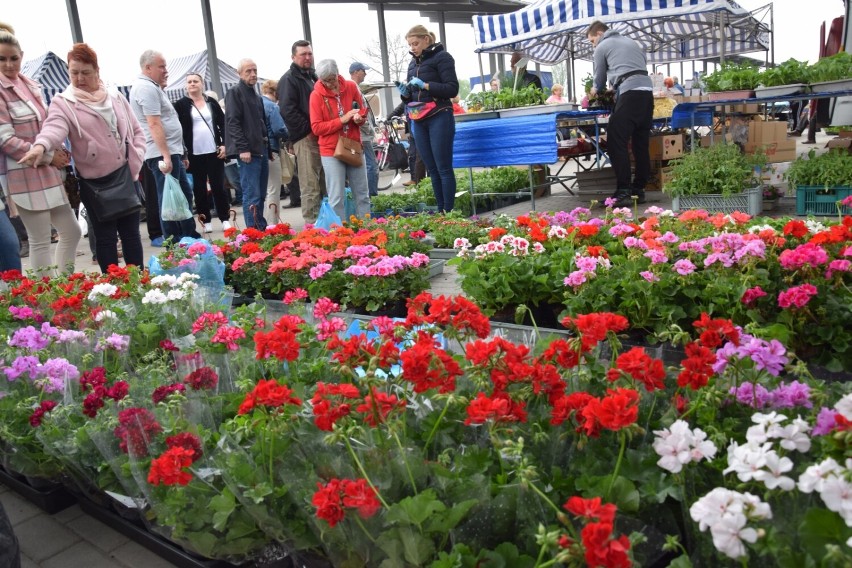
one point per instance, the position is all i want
(245, 137)
(294, 94)
(621, 61)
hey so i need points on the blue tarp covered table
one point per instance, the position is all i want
(509, 141)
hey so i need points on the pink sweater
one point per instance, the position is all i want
(93, 146)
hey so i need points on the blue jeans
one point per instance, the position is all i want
(9, 244)
(253, 178)
(336, 174)
(434, 137)
(174, 229)
(372, 168)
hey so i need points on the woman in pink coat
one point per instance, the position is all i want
(103, 134)
(36, 194)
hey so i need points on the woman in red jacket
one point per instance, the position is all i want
(335, 112)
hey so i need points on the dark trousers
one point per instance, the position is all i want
(434, 137)
(630, 121)
(107, 234)
(152, 205)
(206, 167)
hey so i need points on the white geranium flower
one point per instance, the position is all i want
(106, 315)
(729, 534)
(154, 296)
(710, 509)
(104, 289)
(813, 478)
(678, 445)
(773, 476)
(746, 460)
(837, 495)
(169, 280)
(176, 294)
(754, 508)
(794, 436)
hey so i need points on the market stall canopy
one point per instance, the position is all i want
(49, 71)
(198, 63)
(550, 31)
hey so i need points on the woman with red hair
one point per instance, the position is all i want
(104, 135)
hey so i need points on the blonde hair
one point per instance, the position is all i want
(421, 31)
(269, 87)
(7, 36)
(556, 86)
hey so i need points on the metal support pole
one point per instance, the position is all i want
(74, 20)
(306, 20)
(481, 74)
(387, 94)
(212, 57)
(442, 28)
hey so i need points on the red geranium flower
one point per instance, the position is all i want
(204, 378)
(162, 392)
(499, 408)
(641, 366)
(136, 426)
(268, 393)
(187, 441)
(697, 367)
(428, 366)
(377, 406)
(38, 414)
(168, 469)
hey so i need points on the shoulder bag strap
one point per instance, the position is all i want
(339, 111)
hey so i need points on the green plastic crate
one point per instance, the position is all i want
(817, 200)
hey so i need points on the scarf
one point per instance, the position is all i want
(91, 99)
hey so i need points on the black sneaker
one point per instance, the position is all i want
(640, 197)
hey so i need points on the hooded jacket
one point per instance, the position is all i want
(294, 95)
(438, 68)
(325, 115)
(93, 147)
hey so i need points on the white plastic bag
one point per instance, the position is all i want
(175, 206)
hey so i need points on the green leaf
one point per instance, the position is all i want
(681, 561)
(415, 510)
(442, 523)
(223, 505)
(821, 527)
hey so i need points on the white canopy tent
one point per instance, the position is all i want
(198, 63)
(550, 31)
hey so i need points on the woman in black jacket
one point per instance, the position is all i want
(432, 81)
(203, 124)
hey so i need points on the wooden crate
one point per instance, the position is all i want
(596, 182)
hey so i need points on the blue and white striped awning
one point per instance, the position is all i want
(198, 63)
(49, 71)
(549, 31)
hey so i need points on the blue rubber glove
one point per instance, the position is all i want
(416, 82)
(403, 89)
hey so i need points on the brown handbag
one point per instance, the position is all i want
(348, 151)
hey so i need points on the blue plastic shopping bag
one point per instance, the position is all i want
(327, 217)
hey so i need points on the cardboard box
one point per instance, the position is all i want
(783, 151)
(666, 147)
(841, 143)
(763, 132)
(845, 134)
(773, 174)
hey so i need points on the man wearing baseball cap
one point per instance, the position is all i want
(357, 72)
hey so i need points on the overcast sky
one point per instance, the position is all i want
(264, 31)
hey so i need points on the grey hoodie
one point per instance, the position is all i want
(616, 55)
